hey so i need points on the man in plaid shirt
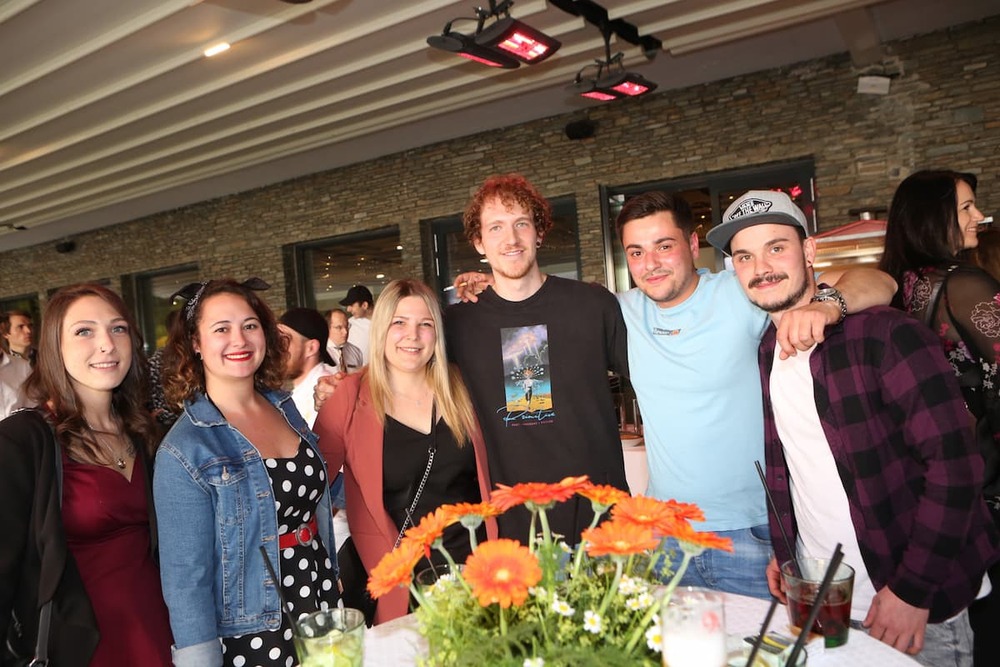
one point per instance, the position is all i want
(868, 443)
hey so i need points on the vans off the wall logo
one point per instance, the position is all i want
(749, 207)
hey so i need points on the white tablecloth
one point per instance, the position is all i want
(398, 642)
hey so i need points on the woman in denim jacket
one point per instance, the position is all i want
(238, 471)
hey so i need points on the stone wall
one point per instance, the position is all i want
(942, 111)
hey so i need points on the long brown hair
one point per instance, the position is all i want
(450, 394)
(183, 371)
(49, 384)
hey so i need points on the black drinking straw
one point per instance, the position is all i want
(777, 518)
(763, 629)
(281, 595)
(831, 570)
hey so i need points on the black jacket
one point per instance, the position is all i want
(35, 565)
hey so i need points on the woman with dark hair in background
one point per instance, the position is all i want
(75, 494)
(238, 471)
(932, 219)
(383, 423)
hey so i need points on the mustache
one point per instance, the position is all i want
(767, 278)
(656, 273)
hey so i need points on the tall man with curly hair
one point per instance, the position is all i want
(559, 337)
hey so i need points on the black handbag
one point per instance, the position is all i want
(354, 580)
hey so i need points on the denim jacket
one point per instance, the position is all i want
(215, 510)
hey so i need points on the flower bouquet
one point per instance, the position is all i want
(547, 603)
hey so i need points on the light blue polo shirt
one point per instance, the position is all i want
(694, 369)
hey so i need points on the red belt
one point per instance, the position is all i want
(302, 535)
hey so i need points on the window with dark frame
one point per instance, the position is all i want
(325, 269)
(150, 294)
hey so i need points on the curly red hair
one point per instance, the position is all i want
(510, 189)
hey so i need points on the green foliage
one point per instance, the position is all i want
(556, 623)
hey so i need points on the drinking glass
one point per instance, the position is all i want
(331, 638)
(694, 629)
(802, 578)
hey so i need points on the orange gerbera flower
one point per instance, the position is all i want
(706, 540)
(619, 538)
(502, 571)
(431, 527)
(603, 495)
(539, 493)
(658, 516)
(482, 510)
(687, 511)
(395, 568)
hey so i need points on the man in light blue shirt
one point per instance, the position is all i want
(692, 349)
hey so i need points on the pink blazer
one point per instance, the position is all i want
(350, 435)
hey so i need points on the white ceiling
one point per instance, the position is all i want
(109, 111)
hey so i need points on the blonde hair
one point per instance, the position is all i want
(450, 394)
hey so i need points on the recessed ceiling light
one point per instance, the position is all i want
(379, 276)
(217, 49)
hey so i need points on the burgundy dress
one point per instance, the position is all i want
(106, 518)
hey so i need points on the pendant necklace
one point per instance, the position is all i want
(118, 460)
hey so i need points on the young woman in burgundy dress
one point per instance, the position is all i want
(75, 494)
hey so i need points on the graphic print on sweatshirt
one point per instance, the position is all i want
(527, 380)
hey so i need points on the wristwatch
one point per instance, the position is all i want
(827, 293)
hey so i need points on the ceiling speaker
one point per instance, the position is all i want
(580, 129)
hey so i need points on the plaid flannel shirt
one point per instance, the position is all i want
(902, 440)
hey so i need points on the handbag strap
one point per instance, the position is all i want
(431, 451)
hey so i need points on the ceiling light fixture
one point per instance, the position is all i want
(505, 43)
(611, 80)
(217, 49)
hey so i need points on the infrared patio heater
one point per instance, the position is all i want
(505, 43)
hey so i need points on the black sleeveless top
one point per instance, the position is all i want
(453, 479)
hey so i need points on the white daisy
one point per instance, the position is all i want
(592, 622)
(654, 640)
(534, 662)
(562, 607)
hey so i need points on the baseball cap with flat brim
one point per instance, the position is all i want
(357, 294)
(309, 324)
(756, 207)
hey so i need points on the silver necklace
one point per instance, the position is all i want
(119, 460)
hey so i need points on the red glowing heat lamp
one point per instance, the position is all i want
(463, 45)
(519, 40)
(598, 95)
(627, 84)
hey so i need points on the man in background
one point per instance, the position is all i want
(868, 444)
(359, 303)
(13, 373)
(346, 356)
(307, 361)
(16, 334)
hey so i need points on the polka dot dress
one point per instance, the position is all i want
(306, 572)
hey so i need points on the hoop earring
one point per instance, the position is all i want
(538, 243)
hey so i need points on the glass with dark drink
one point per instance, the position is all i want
(802, 579)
